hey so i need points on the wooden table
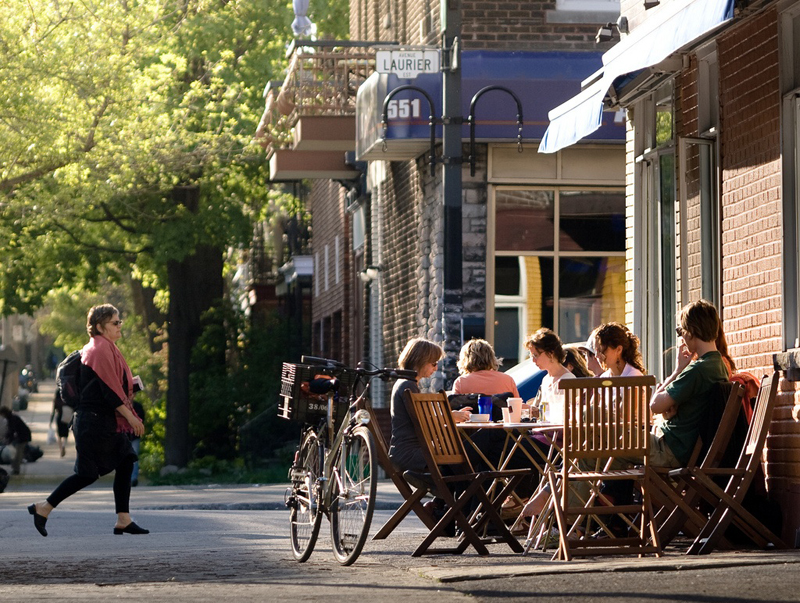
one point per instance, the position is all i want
(516, 433)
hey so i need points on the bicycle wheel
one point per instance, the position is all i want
(304, 516)
(353, 495)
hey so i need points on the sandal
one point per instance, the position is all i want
(511, 508)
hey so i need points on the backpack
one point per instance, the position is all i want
(68, 379)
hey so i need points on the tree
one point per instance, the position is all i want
(127, 129)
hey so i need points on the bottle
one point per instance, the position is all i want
(543, 411)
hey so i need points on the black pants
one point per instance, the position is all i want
(75, 482)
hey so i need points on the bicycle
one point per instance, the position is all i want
(333, 472)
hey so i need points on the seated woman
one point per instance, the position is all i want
(576, 363)
(548, 354)
(478, 366)
(480, 375)
(422, 356)
(618, 351)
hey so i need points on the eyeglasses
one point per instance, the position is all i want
(116, 323)
(679, 331)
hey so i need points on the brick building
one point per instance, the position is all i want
(524, 263)
(712, 179)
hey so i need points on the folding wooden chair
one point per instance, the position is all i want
(680, 510)
(728, 500)
(604, 419)
(450, 469)
(412, 501)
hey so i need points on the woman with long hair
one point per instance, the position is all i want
(618, 351)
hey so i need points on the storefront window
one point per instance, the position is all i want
(582, 233)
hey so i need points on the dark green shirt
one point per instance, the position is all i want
(691, 392)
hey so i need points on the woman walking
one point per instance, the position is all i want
(103, 420)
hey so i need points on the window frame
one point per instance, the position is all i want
(514, 301)
(789, 31)
(655, 303)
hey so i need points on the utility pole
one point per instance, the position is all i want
(452, 121)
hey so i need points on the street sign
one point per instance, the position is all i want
(408, 62)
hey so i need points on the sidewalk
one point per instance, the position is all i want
(39, 478)
(42, 476)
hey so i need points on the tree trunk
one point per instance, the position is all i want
(194, 285)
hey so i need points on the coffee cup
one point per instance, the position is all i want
(515, 406)
(506, 415)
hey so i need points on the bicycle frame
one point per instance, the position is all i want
(327, 460)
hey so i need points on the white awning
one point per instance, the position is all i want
(678, 25)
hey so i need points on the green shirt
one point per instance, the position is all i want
(691, 392)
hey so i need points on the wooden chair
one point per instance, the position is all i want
(728, 500)
(450, 470)
(604, 419)
(412, 501)
(680, 510)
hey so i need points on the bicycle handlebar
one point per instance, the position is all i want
(385, 373)
(317, 361)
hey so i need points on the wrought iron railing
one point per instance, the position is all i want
(323, 78)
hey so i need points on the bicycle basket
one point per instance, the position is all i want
(299, 403)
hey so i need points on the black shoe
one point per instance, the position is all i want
(423, 481)
(39, 521)
(131, 528)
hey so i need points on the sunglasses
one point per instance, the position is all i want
(116, 323)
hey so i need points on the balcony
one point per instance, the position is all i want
(309, 119)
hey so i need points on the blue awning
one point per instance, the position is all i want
(678, 24)
(540, 79)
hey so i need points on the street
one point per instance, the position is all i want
(201, 555)
(213, 542)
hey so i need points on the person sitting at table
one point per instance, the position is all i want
(478, 366)
(575, 362)
(683, 397)
(422, 356)
(547, 353)
(618, 351)
(590, 354)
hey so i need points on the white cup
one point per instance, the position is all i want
(506, 415)
(515, 405)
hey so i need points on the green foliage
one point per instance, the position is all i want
(240, 396)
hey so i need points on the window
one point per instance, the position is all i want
(790, 125)
(655, 282)
(559, 262)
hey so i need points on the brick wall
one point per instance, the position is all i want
(752, 233)
(491, 25)
(329, 221)
(399, 197)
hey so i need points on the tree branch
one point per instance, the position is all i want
(81, 243)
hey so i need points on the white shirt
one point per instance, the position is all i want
(550, 393)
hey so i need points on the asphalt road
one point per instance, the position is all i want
(219, 543)
(197, 556)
